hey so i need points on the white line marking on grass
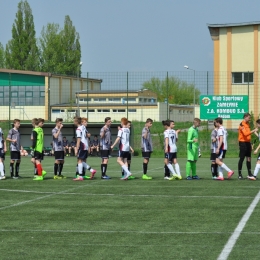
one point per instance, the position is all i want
(129, 195)
(112, 231)
(43, 197)
(235, 235)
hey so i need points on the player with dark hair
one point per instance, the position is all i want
(147, 147)
(105, 146)
(58, 149)
(213, 156)
(245, 149)
(37, 145)
(3, 150)
(221, 150)
(15, 147)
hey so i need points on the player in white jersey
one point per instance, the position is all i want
(58, 149)
(14, 138)
(170, 149)
(213, 155)
(124, 137)
(82, 148)
(257, 166)
(221, 150)
(2, 155)
(105, 147)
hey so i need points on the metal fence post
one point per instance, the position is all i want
(167, 86)
(127, 94)
(87, 94)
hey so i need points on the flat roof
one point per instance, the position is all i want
(114, 91)
(232, 24)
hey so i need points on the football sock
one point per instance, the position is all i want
(56, 168)
(188, 168)
(126, 170)
(171, 168)
(77, 171)
(60, 168)
(11, 169)
(257, 168)
(144, 168)
(129, 167)
(220, 171)
(212, 169)
(123, 173)
(240, 164)
(80, 167)
(103, 169)
(166, 171)
(224, 166)
(194, 169)
(17, 169)
(86, 166)
(39, 168)
(248, 165)
(35, 169)
(2, 169)
(215, 170)
(177, 168)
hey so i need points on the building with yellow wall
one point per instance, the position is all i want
(236, 62)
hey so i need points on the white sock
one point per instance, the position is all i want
(80, 168)
(220, 171)
(177, 168)
(2, 169)
(257, 168)
(224, 166)
(171, 168)
(126, 170)
(86, 166)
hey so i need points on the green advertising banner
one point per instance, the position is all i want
(227, 107)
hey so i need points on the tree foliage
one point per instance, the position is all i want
(173, 89)
(22, 51)
(60, 49)
(2, 56)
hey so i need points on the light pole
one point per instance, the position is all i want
(187, 67)
(78, 112)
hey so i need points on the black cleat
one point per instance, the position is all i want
(240, 177)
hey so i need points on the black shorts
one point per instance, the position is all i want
(105, 154)
(245, 149)
(2, 153)
(146, 155)
(170, 156)
(38, 156)
(129, 158)
(213, 157)
(123, 154)
(15, 155)
(82, 154)
(221, 155)
(59, 155)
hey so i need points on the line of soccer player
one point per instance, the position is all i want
(172, 169)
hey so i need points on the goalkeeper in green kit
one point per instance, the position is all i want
(192, 150)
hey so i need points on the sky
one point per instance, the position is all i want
(138, 35)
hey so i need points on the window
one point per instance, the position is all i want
(71, 110)
(55, 110)
(1, 94)
(42, 93)
(84, 110)
(91, 110)
(242, 77)
(99, 99)
(119, 110)
(62, 111)
(131, 99)
(103, 110)
(114, 99)
(131, 110)
(84, 99)
(14, 94)
(29, 94)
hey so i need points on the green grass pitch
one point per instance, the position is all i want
(137, 219)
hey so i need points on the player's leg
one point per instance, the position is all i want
(194, 164)
(190, 161)
(129, 160)
(38, 157)
(80, 167)
(177, 166)
(59, 155)
(61, 164)
(88, 167)
(2, 173)
(146, 157)
(104, 163)
(167, 159)
(257, 166)
(122, 161)
(242, 155)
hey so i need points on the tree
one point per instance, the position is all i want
(60, 49)
(2, 56)
(22, 51)
(173, 89)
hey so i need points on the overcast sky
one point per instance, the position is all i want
(138, 35)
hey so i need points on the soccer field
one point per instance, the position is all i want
(136, 219)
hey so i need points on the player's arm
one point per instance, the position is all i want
(78, 143)
(131, 149)
(246, 131)
(4, 142)
(166, 140)
(256, 150)
(9, 137)
(116, 141)
(219, 143)
(190, 138)
(144, 135)
(56, 135)
(34, 139)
